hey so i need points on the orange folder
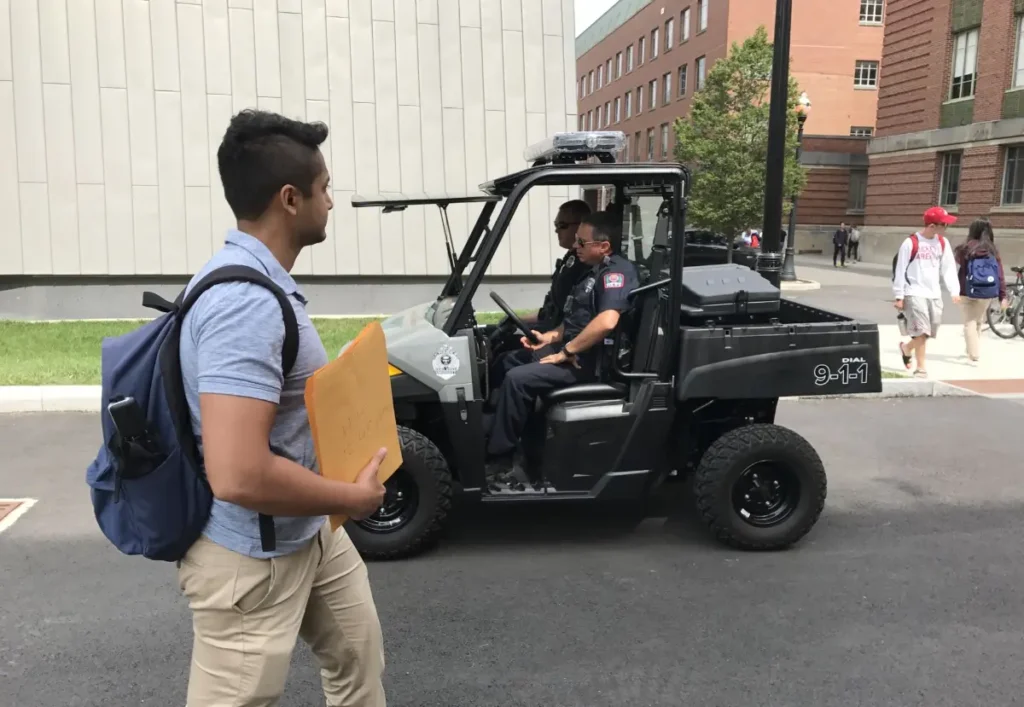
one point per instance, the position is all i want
(351, 412)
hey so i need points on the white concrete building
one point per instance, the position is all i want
(111, 112)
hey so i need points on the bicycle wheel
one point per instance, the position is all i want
(1017, 316)
(1000, 320)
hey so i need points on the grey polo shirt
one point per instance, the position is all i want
(231, 344)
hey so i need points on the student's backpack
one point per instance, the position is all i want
(981, 279)
(913, 252)
(148, 487)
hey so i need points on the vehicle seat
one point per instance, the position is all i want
(586, 391)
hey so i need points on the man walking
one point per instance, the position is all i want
(854, 248)
(268, 569)
(924, 263)
(839, 239)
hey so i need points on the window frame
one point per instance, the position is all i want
(862, 131)
(861, 192)
(702, 16)
(1017, 75)
(945, 168)
(639, 100)
(683, 77)
(618, 109)
(652, 89)
(618, 65)
(641, 51)
(655, 42)
(684, 25)
(650, 144)
(966, 36)
(666, 89)
(629, 59)
(862, 69)
(670, 33)
(607, 113)
(701, 64)
(866, 17)
(1017, 152)
(665, 140)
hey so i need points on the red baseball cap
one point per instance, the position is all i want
(937, 214)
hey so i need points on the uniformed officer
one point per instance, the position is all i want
(568, 353)
(568, 268)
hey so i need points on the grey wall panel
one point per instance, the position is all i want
(111, 113)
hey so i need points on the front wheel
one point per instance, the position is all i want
(1003, 322)
(760, 487)
(417, 500)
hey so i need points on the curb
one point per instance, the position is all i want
(86, 398)
(799, 285)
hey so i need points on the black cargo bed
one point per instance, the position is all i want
(797, 350)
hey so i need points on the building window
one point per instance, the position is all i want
(591, 84)
(608, 70)
(682, 80)
(607, 114)
(641, 50)
(1013, 178)
(684, 26)
(871, 12)
(1018, 60)
(590, 119)
(639, 101)
(625, 151)
(861, 131)
(949, 181)
(865, 74)
(664, 140)
(618, 65)
(654, 43)
(670, 32)
(629, 58)
(583, 122)
(638, 145)
(597, 125)
(702, 15)
(650, 144)
(858, 190)
(629, 105)
(965, 64)
(618, 109)
(700, 72)
(667, 78)
(652, 92)
(600, 76)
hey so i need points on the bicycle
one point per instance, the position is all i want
(1013, 315)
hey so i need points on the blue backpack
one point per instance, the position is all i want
(148, 487)
(981, 279)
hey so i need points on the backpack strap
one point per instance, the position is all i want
(290, 350)
(243, 273)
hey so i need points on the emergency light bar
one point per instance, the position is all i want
(575, 146)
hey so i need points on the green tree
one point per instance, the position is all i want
(724, 140)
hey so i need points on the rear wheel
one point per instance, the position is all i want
(760, 487)
(1002, 321)
(417, 500)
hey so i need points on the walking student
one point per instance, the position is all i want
(854, 249)
(839, 240)
(924, 264)
(982, 280)
(251, 598)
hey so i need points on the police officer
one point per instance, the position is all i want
(568, 353)
(568, 268)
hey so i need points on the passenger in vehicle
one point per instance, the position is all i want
(568, 268)
(567, 354)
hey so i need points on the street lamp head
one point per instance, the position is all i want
(803, 107)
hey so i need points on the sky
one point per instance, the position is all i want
(589, 10)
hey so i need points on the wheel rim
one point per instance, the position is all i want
(401, 499)
(766, 494)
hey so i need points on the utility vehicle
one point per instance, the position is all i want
(687, 386)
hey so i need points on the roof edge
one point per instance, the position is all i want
(613, 18)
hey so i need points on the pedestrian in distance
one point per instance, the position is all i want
(854, 247)
(252, 599)
(839, 241)
(923, 265)
(982, 280)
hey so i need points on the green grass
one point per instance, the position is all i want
(68, 353)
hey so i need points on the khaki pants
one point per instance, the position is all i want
(247, 614)
(974, 314)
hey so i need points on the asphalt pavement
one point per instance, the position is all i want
(908, 592)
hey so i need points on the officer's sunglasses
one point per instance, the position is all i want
(562, 225)
(583, 244)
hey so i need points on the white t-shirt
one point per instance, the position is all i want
(931, 268)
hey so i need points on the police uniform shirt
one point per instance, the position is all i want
(567, 273)
(605, 287)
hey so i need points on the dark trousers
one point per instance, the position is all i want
(523, 379)
(854, 249)
(838, 252)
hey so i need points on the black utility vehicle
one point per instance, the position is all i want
(688, 386)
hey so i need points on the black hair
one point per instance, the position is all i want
(576, 207)
(980, 235)
(607, 227)
(261, 153)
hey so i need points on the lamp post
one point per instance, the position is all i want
(789, 264)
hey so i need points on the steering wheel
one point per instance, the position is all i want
(514, 318)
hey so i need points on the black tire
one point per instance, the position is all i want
(741, 465)
(1017, 316)
(424, 475)
(995, 315)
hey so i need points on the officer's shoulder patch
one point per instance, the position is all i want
(614, 280)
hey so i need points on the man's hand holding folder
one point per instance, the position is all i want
(370, 489)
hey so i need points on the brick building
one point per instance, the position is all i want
(950, 121)
(639, 65)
